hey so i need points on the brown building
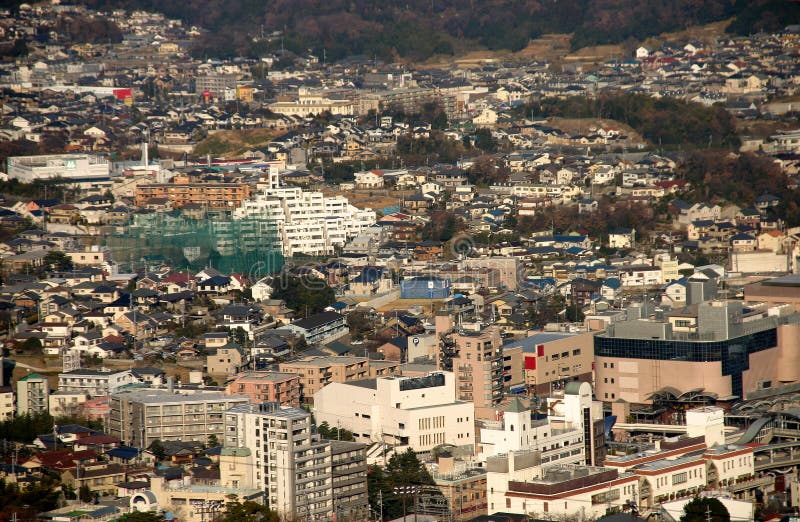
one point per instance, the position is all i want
(479, 369)
(263, 386)
(465, 491)
(779, 290)
(207, 195)
(317, 372)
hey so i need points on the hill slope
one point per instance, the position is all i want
(417, 29)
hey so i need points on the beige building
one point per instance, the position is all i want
(551, 360)
(317, 372)
(33, 393)
(478, 369)
(722, 349)
(227, 360)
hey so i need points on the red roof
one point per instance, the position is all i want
(178, 277)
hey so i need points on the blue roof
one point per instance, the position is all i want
(529, 343)
(338, 305)
(612, 282)
(569, 239)
(576, 250)
(123, 452)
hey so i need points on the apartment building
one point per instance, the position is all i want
(349, 480)
(94, 383)
(307, 222)
(6, 403)
(64, 403)
(322, 328)
(463, 489)
(478, 369)
(33, 394)
(317, 372)
(142, 416)
(723, 348)
(215, 84)
(417, 412)
(265, 386)
(553, 359)
(101, 478)
(211, 195)
(291, 464)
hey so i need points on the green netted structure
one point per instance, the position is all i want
(151, 239)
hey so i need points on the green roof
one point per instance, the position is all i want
(32, 376)
(516, 406)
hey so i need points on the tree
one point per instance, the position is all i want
(157, 449)
(329, 433)
(307, 295)
(247, 511)
(484, 140)
(698, 509)
(360, 324)
(85, 493)
(213, 442)
(403, 469)
(57, 260)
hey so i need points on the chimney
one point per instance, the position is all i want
(145, 157)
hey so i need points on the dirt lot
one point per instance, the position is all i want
(231, 143)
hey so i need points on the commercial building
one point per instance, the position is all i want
(778, 290)
(210, 195)
(263, 386)
(33, 393)
(723, 348)
(85, 170)
(302, 476)
(416, 412)
(552, 359)
(572, 433)
(464, 488)
(142, 416)
(310, 102)
(425, 287)
(478, 368)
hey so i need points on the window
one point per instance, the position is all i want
(564, 354)
(576, 351)
(679, 478)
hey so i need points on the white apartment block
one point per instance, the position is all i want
(304, 221)
(416, 412)
(290, 464)
(95, 383)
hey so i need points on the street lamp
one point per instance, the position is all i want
(404, 491)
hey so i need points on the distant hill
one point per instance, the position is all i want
(418, 29)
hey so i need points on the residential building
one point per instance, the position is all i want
(510, 268)
(101, 478)
(264, 386)
(416, 412)
(552, 359)
(292, 466)
(226, 360)
(95, 383)
(142, 416)
(464, 488)
(215, 84)
(209, 195)
(66, 403)
(6, 403)
(33, 394)
(322, 328)
(317, 372)
(305, 222)
(478, 369)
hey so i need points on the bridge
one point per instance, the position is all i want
(779, 455)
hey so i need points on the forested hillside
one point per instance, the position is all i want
(417, 29)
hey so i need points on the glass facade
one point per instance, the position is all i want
(733, 353)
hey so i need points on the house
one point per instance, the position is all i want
(371, 179)
(226, 360)
(622, 238)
